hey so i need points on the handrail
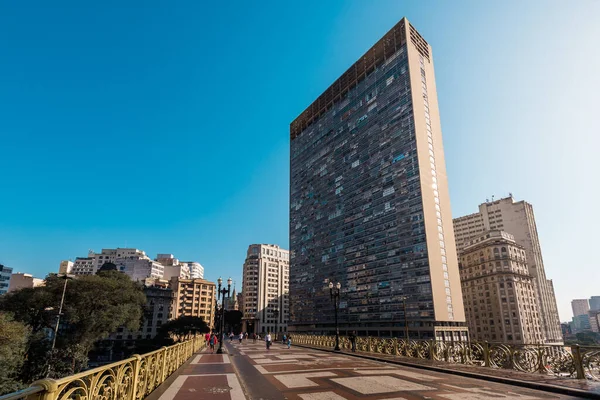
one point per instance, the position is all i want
(580, 362)
(23, 393)
(131, 379)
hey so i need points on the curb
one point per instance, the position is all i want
(498, 379)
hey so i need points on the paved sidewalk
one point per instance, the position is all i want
(249, 371)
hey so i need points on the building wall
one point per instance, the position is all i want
(580, 307)
(65, 267)
(5, 275)
(196, 269)
(594, 303)
(266, 289)
(194, 297)
(517, 219)
(180, 271)
(21, 281)
(369, 200)
(499, 293)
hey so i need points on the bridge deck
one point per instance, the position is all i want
(251, 372)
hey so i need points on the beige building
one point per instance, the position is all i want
(194, 297)
(266, 289)
(173, 267)
(580, 307)
(498, 291)
(20, 280)
(517, 219)
(65, 267)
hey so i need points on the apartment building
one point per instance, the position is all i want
(194, 297)
(5, 275)
(498, 290)
(369, 200)
(516, 218)
(266, 289)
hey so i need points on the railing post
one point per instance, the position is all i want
(578, 360)
(432, 349)
(136, 375)
(486, 355)
(541, 366)
(369, 345)
(164, 365)
(50, 388)
(396, 351)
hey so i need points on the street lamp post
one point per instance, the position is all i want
(403, 298)
(62, 302)
(221, 294)
(335, 297)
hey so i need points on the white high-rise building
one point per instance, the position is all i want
(196, 269)
(65, 267)
(133, 262)
(266, 289)
(517, 219)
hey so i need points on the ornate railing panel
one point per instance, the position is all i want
(564, 361)
(130, 379)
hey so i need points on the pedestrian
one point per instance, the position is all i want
(253, 337)
(353, 341)
(289, 341)
(241, 337)
(211, 341)
(230, 337)
(284, 339)
(206, 338)
(268, 340)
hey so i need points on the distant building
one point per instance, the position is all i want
(581, 323)
(194, 297)
(21, 281)
(595, 303)
(266, 289)
(580, 307)
(232, 303)
(65, 267)
(5, 274)
(566, 329)
(517, 219)
(196, 269)
(594, 316)
(498, 291)
(172, 267)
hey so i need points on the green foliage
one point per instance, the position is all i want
(233, 319)
(13, 343)
(94, 307)
(183, 327)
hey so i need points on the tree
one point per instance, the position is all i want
(94, 307)
(13, 343)
(183, 327)
(233, 318)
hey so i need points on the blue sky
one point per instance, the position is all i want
(165, 128)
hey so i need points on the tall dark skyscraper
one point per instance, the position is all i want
(369, 200)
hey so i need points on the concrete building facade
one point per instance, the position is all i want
(580, 307)
(20, 281)
(594, 303)
(266, 289)
(195, 298)
(65, 267)
(5, 275)
(498, 291)
(517, 219)
(370, 206)
(196, 269)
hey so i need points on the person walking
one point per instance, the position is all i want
(353, 341)
(268, 340)
(289, 341)
(211, 341)
(206, 338)
(284, 341)
(241, 337)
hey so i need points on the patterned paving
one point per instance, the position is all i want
(305, 374)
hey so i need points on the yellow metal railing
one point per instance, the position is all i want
(581, 362)
(130, 379)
